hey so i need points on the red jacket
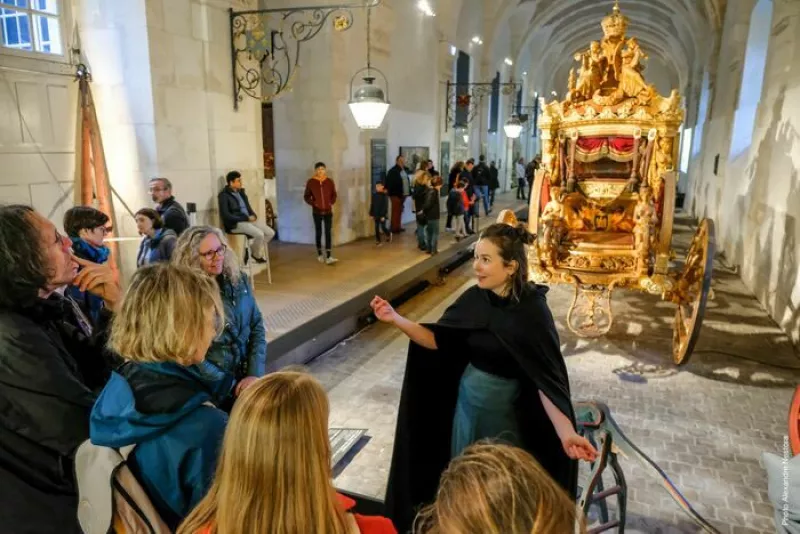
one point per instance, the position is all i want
(368, 524)
(321, 196)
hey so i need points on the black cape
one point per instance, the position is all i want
(430, 389)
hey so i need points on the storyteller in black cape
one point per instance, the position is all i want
(491, 367)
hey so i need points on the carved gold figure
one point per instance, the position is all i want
(608, 159)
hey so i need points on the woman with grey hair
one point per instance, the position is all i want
(239, 355)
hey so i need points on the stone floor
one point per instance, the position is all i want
(302, 288)
(706, 424)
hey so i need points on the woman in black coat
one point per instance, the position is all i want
(491, 367)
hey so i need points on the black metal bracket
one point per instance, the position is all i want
(470, 96)
(265, 44)
(596, 424)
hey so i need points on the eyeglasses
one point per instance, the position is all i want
(156, 189)
(211, 254)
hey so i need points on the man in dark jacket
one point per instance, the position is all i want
(398, 187)
(379, 211)
(466, 178)
(530, 173)
(239, 218)
(494, 182)
(52, 364)
(481, 180)
(172, 213)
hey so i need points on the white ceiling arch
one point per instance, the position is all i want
(678, 35)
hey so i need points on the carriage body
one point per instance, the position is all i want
(603, 201)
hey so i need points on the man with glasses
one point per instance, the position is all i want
(52, 365)
(172, 213)
(87, 228)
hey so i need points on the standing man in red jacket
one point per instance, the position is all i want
(321, 196)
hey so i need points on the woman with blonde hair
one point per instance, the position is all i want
(498, 489)
(419, 189)
(239, 355)
(157, 399)
(274, 472)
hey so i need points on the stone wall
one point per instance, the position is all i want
(755, 194)
(313, 122)
(162, 86)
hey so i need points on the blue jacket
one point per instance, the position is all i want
(160, 407)
(157, 248)
(90, 304)
(241, 349)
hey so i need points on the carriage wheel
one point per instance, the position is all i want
(692, 289)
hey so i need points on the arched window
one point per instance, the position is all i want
(755, 62)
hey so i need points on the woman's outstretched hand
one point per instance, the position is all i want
(383, 310)
(578, 448)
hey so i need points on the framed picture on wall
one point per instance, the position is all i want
(378, 161)
(415, 154)
(444, 158)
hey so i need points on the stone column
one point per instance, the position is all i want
(162, 79)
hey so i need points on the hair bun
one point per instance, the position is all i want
(521, 232)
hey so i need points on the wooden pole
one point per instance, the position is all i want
(101, 182)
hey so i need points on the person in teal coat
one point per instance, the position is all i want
(239, 355)
(158, 399)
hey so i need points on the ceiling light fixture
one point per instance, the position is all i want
(509, 62)
(369, 104)
(426, 8)
(513, 127)
(477, 40)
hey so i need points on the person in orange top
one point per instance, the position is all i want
(274, 472)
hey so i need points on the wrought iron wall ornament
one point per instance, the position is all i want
(469, 96)
(265, 44)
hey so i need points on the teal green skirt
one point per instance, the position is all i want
(484, 409)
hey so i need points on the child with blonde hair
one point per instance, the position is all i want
(274, 473)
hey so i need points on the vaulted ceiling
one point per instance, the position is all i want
(678, 35)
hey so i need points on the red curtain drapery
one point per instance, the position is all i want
(591, 149)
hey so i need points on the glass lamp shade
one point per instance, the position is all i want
(368, 105)
(513, 127)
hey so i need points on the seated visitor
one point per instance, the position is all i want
(491, 367)
(87, 228)
(274, 471)
(239, 218)
(498, 489)
(157, 399)
(239, 354)
(158, 242)
(52, 364)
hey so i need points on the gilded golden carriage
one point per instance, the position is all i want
(602, 203)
